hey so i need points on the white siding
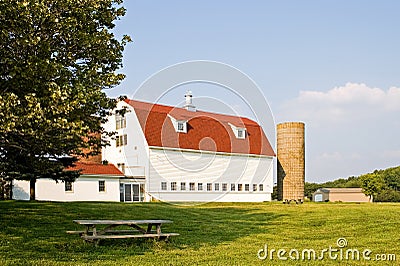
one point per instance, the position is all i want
(167, 165)
(83, 189)
(134, 155)
(158, 165)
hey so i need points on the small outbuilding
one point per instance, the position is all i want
(340, 194)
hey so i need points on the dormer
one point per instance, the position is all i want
(240, 132)
(179, 125)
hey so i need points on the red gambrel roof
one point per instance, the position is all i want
(205, 130)
(95, 169)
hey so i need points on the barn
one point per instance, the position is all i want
(170, 154)
(183, 154)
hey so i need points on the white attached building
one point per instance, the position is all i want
(97, 182)
(182, 154)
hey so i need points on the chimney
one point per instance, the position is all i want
(189, 105)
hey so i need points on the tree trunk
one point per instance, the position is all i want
(10, 193)
(2, 189)
(32, 190)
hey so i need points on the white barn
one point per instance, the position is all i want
(182, 154)
(170, 154)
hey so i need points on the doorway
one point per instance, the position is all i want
(131, 192)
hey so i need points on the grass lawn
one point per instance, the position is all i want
(33, 233)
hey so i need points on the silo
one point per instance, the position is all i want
(291, 161)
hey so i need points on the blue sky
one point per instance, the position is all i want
(333, 64)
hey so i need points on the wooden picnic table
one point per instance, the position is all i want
(136, 229)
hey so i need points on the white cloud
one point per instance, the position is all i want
(353, 101)
(331, 156)
(351, 129)
(353, 93)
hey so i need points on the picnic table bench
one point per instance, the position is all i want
(136, 229)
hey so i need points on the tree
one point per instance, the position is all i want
(56, 59)
(372, 184)
(392, 178)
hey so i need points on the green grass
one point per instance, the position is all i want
(33, 233)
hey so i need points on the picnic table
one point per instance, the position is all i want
(135, 229)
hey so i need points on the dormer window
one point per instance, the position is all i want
(240, 132)
(179, 125)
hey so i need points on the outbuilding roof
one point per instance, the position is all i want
(341, 190)
(205, 130)
(95, 169)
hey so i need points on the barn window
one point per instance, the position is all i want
(120, 121)
(200, 186)
(261, 187)
(240, 187)
(233, 187)
(247, 187)
(121, 140)
(163, 185)
(191, 186)
(240, 132)
(179, 125)
(254, 187)
(68, 186)
(183, 185)
(209, 186)
(216, 186)
(102, 185)
(173, 185)
(224, 187)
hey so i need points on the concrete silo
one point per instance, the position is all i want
(291, 161)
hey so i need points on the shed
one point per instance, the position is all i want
(340, 194)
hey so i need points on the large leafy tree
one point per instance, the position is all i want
(56, 59)
(372, 184)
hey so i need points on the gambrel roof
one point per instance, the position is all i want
(204, 130)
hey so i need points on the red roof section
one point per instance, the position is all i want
(205, 130)
(95, 169)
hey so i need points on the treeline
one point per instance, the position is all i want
(382, 185)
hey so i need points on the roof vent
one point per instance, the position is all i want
(189, 105)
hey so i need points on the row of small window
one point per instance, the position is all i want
(69, 186)
(212, 186)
